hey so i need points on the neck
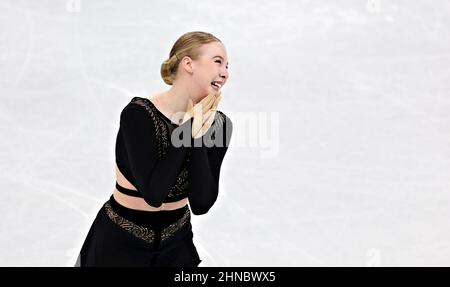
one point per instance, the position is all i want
(176, 99)
(178, 95)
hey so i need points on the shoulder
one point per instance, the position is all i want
(138, 105)
(138, 102)
(138, 109)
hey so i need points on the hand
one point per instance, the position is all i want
(208, 118)
(190, 108)
(203, 113)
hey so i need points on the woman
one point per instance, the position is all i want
(169, 150)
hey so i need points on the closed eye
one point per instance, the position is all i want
(219, 61)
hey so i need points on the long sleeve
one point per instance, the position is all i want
(153, 176)
(205, 164)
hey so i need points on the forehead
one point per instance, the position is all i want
(214, 49)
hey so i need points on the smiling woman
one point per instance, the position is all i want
(146, 221)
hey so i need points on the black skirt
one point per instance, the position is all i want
(120, 236)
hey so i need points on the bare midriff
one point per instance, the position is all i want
(139, 203)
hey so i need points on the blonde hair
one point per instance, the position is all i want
(187, 45)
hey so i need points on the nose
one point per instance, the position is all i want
(224, 74)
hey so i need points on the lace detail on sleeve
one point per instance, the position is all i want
(182, 182)
(163, 139)
(161, 130)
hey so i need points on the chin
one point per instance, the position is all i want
(212, 90)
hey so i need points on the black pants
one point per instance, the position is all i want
(120, 236)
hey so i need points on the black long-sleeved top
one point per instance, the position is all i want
(163, 172)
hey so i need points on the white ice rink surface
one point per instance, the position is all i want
(351, 169)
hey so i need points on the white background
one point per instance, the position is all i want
(358, 95)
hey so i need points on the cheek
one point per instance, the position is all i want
(202, 79)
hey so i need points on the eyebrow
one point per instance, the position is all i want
(220, 57)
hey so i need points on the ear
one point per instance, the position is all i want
(187, 64)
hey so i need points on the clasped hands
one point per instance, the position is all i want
(203, 113)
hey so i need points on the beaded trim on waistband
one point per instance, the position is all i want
(142, 232)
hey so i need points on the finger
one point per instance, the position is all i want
(208, 123)
(207, 107)
(199, 111)
(216, 102)
(198, 135)
(203, 105)
(218, 95)
(207, 99)
(197, 124)
(208, 104)
(211, 118)
(202, 109)
(207, 116)
(189, 113)
(200, 129)
(197, 131)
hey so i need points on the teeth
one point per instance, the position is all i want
(217, 84)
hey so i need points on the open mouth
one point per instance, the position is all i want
(216, 85)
